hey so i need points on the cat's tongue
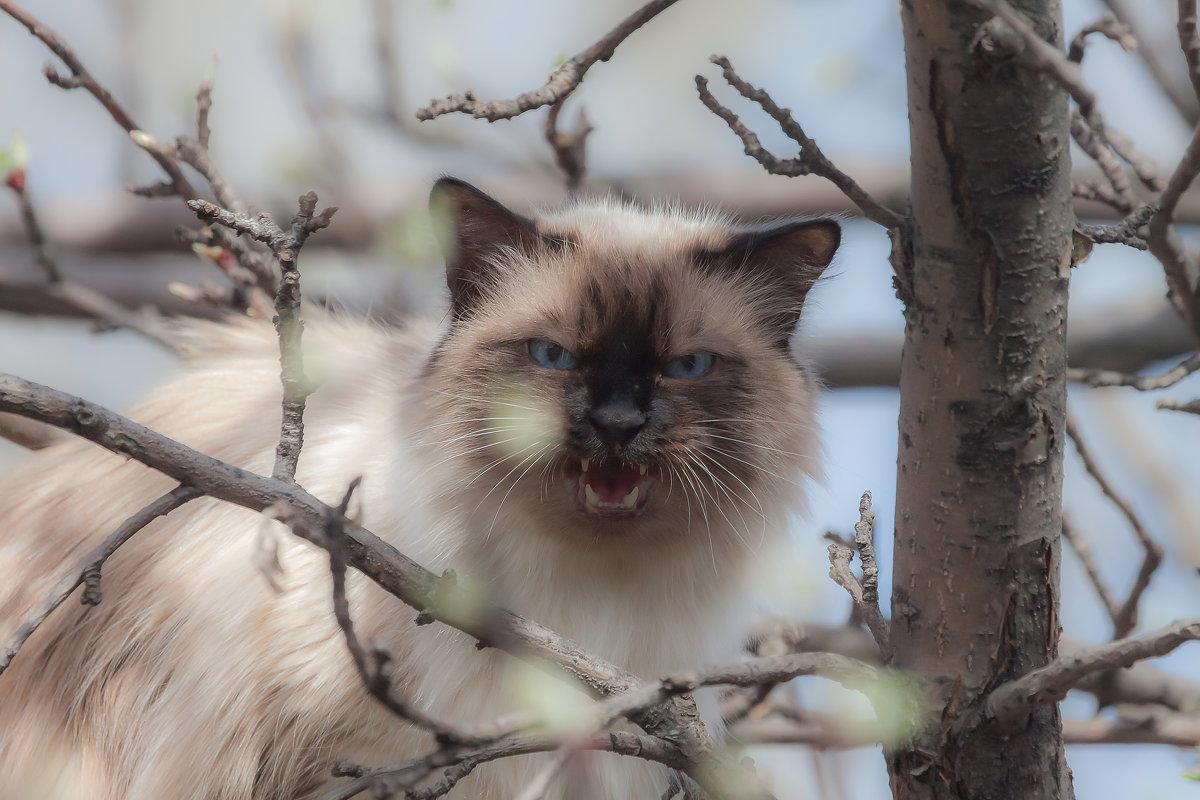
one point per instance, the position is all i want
(611, 482)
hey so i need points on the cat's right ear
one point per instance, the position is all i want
(473, 229)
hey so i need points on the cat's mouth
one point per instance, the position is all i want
(612, 488)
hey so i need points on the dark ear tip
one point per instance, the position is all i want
(447, 188)
(824, 238)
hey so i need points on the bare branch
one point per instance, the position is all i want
(88, 568)
(865, 594)
(1143, 383)
(1189, 42)
(1125, 619)
(1178, 264)
(286, 247)
(1124, 232)
(1050, 683)
(570, 149)
(1084, 553)
(1152, 54)
(1188, 407)
(83, 298)
(1036, 53)
(1096, 146)
(1110, 28)
(810, 161)
(166, 156)
(561, 82)
(460, 761)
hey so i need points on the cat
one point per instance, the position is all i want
(602, 432)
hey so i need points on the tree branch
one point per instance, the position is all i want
(1143, 383)
(561, 82)
(1125, 620)
(810, 161)
(88, 569)
(286, 247)
(1049, 684)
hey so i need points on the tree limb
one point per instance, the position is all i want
(1049, 684)
(88, 569)
(561, 82)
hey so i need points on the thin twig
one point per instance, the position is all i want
(166, 156)
(1187, 407)
(810, 161)
(1189, 41)
(1110, 28)
(1125, 620)
(81, 297)
(286, 247)
(1096, 147)
(561, 82)
(1124, 232)
(1039, 54)
(1154, 57)
(88, 568)
(864, 594)
(1050, 683)
(570, 149)
(1083, 552)
(1143, 383)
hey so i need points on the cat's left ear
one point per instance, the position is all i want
(473, 229)
(787, 257)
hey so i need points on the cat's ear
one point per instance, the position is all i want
(472, 229)
(785, 257)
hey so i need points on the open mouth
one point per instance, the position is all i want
(610, 487)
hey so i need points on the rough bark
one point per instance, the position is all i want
(982, 402)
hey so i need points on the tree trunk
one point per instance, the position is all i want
(978, 510)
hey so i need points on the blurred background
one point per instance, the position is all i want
(318, 95)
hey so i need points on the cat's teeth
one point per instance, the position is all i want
(630, 500)
(585, 463)
(642, 469)
(593, 499)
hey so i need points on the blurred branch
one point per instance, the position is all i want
(1143, 383)
(1125, 618)
(570, 149)
(1152, 50)
(1189, 407)
(88, 301)
(1083, 552)
(561, 82)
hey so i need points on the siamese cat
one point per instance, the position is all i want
(602, 432)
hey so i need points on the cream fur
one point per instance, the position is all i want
(194, 680)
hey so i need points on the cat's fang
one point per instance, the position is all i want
(593, 499)
(584, 463)
(642, 471)
(630, 500)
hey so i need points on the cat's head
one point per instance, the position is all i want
(616, 372)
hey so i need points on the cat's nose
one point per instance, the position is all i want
(617, 422)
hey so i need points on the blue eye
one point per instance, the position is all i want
(693, 365)
(546, 353)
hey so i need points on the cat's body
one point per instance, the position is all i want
(195, 680)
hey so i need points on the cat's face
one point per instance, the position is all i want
(612, 371)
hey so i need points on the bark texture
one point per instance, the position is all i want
(982, 416)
